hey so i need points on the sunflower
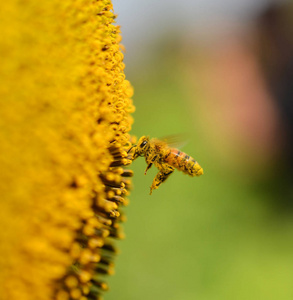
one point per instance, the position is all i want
(65, 117)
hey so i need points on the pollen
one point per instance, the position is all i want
(65, 118)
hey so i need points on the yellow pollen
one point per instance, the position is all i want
(85, 276)
(71, 281)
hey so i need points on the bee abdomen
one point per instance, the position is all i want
(183, 162)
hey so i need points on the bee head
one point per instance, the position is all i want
(141, 146)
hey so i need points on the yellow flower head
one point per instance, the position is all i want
(64, 121)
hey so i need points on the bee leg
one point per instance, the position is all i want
(148, 167)
(165, 172)
(150, 161)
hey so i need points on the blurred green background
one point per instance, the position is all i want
(227, 234)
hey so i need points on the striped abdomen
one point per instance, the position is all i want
(183, 162)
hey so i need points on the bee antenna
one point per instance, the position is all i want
(131, 148)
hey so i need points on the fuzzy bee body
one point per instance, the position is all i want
(165, 158)
(183, 162)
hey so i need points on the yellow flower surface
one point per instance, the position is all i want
(64, 121)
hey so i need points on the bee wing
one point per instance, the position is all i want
(175, 140)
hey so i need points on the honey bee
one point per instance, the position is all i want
(165, 158)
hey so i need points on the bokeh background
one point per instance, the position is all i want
(219, 72)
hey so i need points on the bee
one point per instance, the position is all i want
(165, 158)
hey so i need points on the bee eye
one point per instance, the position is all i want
(143, 144)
